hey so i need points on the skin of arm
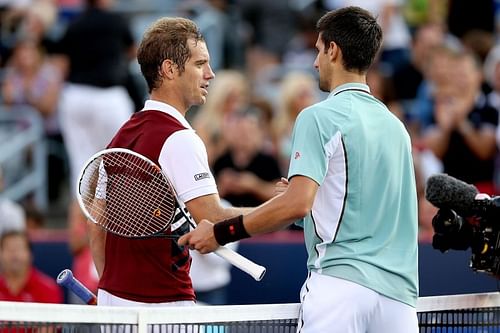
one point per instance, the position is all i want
(209, 207)
(97, 239)
(275, 214)
(262, 189)
(481, 141)
(234, 182)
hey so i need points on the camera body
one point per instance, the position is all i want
(478, 230)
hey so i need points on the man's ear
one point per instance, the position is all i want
(168, 69)
(333, 52)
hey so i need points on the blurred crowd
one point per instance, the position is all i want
(438, 71)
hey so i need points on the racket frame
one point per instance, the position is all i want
(236, 259)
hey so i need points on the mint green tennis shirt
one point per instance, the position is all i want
(363, 223)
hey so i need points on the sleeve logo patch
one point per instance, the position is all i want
(297, 155)
(200, 176)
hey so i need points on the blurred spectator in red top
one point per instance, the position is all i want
(20, 281)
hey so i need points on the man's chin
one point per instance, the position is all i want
(202, 100)
(323, 86)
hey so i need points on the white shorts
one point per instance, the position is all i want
(107, 299)
(89, 118)
(334, 305)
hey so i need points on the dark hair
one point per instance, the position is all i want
(357, 34)
(14, 233)
(167, 38)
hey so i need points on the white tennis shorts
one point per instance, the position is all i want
(336, 305)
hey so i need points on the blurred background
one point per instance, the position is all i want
(438, 71)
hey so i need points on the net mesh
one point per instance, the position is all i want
(477, 313)
(460, 313)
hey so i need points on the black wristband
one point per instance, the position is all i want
(230, 230)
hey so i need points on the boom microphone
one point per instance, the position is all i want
(444, 191)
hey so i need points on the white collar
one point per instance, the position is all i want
(168, 109)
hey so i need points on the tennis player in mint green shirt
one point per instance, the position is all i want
(351, 185)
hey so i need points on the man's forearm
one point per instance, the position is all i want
(97, 241)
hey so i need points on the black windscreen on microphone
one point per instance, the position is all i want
(445, 191)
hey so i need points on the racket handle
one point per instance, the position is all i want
(66, 279)
(246, 265)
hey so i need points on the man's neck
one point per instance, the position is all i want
(347, 77)
(170, 100)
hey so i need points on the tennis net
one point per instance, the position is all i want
(478, 313)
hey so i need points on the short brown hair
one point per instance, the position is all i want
(357, 34)
(167, 38)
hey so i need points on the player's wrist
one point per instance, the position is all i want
(230, 230)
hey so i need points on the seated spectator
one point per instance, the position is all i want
(229, 94)
(31, 80)
(245, 175)
(437, 73)
(463, 132)
(20, 281)
(492, 75)
(298, 90)
(408, 77)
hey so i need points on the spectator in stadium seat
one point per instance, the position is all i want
(20, 281)
(32, 81)
(298, 90)
(229, 94)
(407, 79)
(462, 134)
(245, 173)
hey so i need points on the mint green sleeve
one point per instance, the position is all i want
(308, 156)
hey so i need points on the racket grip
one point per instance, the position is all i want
(246, 265)
(66, 279)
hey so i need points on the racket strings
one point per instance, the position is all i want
(143, 201)
(130, 196)
(140, 199)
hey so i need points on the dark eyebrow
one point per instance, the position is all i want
(201, 61)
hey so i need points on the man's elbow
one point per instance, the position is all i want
(299, 210)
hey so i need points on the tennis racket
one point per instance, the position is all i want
(67, 279)
(129, 195)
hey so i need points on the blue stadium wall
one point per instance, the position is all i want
(284, 255)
